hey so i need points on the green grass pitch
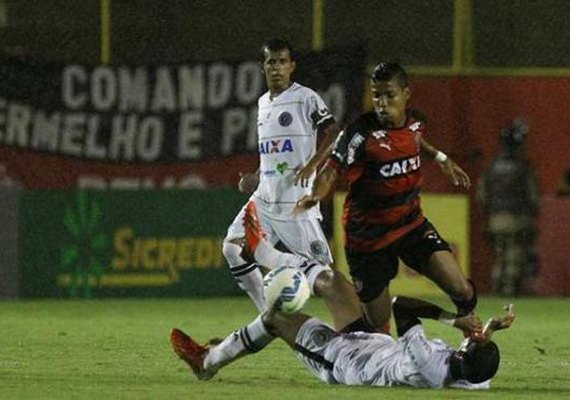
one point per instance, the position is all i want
(119, 349)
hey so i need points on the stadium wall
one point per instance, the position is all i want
(9, 271)
(466, 115)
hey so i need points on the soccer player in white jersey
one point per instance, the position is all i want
(359, 358)
(290, 117)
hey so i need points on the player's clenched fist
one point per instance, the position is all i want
(248, 182)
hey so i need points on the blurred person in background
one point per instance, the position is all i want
(290, 117)
(509, 195)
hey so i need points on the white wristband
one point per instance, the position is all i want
(440, 156)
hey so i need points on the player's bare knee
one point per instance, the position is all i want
(269, 321)
(285, 326)
(377, 316)
(324, 283)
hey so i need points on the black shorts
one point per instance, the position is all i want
(372, 272)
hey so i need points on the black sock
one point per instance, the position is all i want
(465, 307)
(406, 325)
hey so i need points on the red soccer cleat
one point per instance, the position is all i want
(191, 352)
(253, 231)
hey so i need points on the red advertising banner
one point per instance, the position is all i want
(39, 171)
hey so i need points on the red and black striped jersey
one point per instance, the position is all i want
(382, 169)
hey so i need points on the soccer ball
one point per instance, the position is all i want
(286, 289)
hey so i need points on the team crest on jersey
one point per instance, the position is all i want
(381, 134)
(319, 251)
(400, 167)
(317, 248)
(383, 139)
(285, 118)
(276, 146)
(322, 336)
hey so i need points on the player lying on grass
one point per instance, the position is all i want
(358, 357)
(377, 359)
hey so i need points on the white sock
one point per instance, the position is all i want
(265, 254)
(247, 275)
(249, 339)
(250, 280)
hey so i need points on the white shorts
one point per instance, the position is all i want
(304, 237)
(311, 344)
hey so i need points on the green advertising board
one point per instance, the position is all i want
(128, 243)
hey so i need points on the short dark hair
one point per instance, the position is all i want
(386, 71)
(275, 44)
(478, 364)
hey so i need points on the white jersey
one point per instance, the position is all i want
(377, 359)
(287, 128)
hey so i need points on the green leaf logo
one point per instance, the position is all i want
(282, 167)
(81, 257)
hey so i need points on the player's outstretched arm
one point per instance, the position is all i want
(408, 311)
(330, 133)
(499, 323)
(322, 188)
(493, 324)
(455, 173)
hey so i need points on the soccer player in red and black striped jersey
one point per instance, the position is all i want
(379, 154)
